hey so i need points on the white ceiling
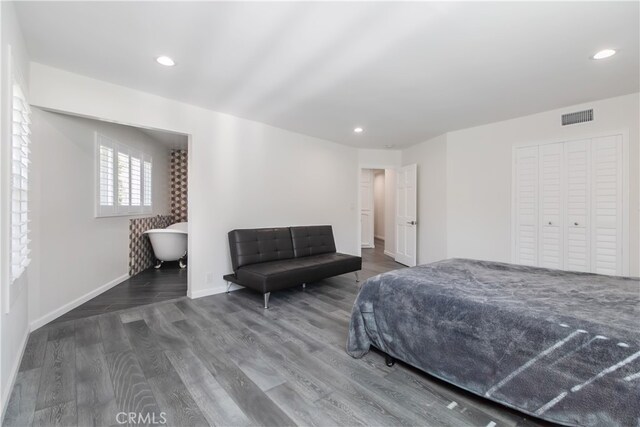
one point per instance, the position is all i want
(403, 71)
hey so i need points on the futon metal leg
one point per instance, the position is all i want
(266, 299)
(228, 286)
(389, 361)
(357, 276)
(304, 286)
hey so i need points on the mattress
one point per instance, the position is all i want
(561, 346)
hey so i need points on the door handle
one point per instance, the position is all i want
(411, 222)
(550, 223)
(575, 223)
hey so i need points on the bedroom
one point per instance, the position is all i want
(268, 96)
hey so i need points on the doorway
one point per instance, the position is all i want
(395, 205)
(377, 217)
(122, 185)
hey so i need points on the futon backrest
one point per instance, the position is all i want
(251, 246)
(312, 240)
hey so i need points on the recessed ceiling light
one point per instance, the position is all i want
(165, 60)
(606, 53)
(358, 130)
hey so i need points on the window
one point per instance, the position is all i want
(19, 182)
(124, 179)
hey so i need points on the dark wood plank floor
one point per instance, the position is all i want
(148, 287)
(224, 360)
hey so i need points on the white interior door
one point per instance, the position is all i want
(366, 208)
(526, 206)
(407, 215)
(551, 206)
(606, 205)
(578, 205)
(570, 201)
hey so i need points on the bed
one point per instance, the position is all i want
(561, 346)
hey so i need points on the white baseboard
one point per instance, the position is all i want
(391, 254)
(13, 375)
(368, 246)
(76, 302)
(218, 289)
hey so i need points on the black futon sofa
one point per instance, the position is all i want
(271, 259)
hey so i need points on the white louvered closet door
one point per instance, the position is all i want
(577, 205)
(607, 197)
(526, 206)
(551, 207)
(569, 202)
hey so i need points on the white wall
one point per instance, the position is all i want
(241, 173)
(379, 159)
(431, 158)
(479, 174)
(378, 204)
(76, 253)
(14, 324)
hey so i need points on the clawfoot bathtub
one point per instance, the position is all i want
(169, 244)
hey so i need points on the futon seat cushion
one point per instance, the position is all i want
(276, 275)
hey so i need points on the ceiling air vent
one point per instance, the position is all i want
(577, 117)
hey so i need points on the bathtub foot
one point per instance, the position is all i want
(158, 263)
(182, 263)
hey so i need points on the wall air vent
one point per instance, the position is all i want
(577, 117)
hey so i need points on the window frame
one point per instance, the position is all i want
(119, 149)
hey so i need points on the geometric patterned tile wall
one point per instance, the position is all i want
(179, 189)
(140, 251)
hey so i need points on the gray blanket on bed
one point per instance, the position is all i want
(562, 346)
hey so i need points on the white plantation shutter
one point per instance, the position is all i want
(19, 182)
(106, 176)
(136, 181)
(146, 185)
(124, 179)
